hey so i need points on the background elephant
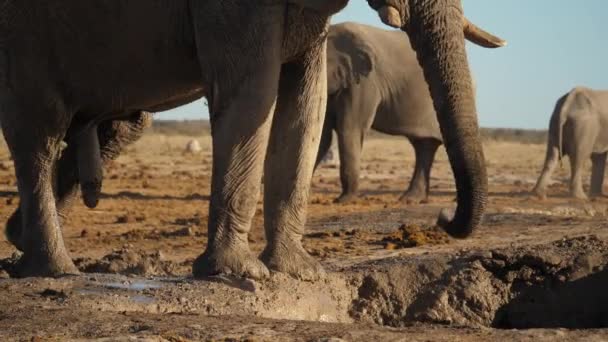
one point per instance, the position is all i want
(71, 65)
(579, 129)
(374, 80)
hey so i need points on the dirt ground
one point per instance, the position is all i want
(535, 271)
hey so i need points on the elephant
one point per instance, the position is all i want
(374, 81)
(578, 129)
(68, 66)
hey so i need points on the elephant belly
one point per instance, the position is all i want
(112, 55)
(410, 121)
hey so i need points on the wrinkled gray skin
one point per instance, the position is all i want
(67, 66)
(374, 81)
(578, 129)
(113, 136)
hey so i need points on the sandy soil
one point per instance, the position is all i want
(535, 271)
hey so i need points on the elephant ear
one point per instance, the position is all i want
(350, 58)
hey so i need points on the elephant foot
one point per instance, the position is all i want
(540, 195)
(291, 258)
(13, 230)
(597, 195)
(238, 261)
(414, 196)
(579, 196)
(346, 198)
(45, 265)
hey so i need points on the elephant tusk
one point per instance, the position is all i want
(390, 16)
(481, 37)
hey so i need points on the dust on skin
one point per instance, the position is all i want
(152, 220)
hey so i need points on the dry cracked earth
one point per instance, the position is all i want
(535, 271)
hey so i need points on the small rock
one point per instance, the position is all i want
(4, 274)
(193, 147)
(84, 233)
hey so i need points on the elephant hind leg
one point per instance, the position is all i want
(425, 150)
(35, 157)
(583, 138)
(597, 173)
(551, 160)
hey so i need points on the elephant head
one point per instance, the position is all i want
(437, 31)
(347, 63)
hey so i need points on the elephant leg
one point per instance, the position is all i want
(355, 113)
(425, 150)
(551, 159)
(597, 173)
(576, 177)
(293, 146)
(114, 136)
(581, 148)
(240, 128)
(35, 156)
(326, 138)
(350, 144)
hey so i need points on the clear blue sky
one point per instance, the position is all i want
(554, 45)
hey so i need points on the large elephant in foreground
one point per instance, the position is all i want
(578, 129)
(374, 81)
(67, 66)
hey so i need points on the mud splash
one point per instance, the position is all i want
(129, 262)
(559, 285)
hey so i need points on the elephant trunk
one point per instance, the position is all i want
(436, 31)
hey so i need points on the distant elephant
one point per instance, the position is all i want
(71, 65)
(578, 129)
(374, 81)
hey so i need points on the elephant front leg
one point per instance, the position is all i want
(291, 156)
(240, 129)
(114, 136)
(425, 150)
(597, 173)
(35, 156)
